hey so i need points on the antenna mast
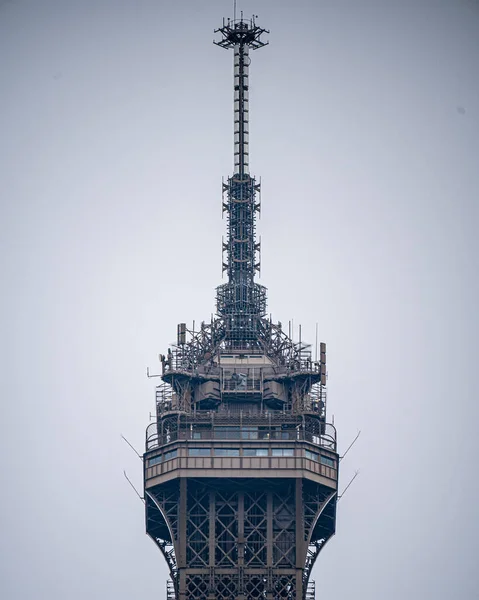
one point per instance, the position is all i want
(241, 302)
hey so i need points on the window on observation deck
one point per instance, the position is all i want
(169, 455)
(226, 451)
(249, 433)
(156, 460)
(227, 433)
(199, 452)
(255, 452)
(236, 433)
(282, 452)
(329, 462)
(312, 455)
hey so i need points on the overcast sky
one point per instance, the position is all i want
(115, 130)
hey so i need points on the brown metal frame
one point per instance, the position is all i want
(240, 467)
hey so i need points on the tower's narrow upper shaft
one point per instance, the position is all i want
(241, 109)
(241, 301)
(241, 35)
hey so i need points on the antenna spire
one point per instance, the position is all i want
(241, 302)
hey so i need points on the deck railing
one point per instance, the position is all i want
(159, 434)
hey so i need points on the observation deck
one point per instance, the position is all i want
(225, 444)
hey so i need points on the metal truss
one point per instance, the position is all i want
(226, 528)
(255, 528)
(284, 587)
(197, 527)
(162, 525)
(315, 498)
(319, 523)
(226, 587)
(197, 587)
(240, 206)
(216, 512)
(311, 591)
(197, 353)
(284, 547)
(255, 586)
(170, 590)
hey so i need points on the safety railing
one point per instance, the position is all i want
(160, 434)
(177, 361)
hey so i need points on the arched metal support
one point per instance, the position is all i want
(320, 533)
(158, 522)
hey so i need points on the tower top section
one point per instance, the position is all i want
(241, 31)
(241, 302)
(242, 359)
(241, 35)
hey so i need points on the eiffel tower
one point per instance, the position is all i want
(240, 467)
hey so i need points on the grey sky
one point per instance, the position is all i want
(116, 128)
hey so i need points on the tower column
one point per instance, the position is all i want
(182, 517)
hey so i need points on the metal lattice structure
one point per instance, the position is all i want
(241, 467)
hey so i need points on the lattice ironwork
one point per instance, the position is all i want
(226, 587)
(162, 524)
(255, 528)
(196, 587)
(319, 519)
(314, 497)
(197, 527)
(170, 590)
(284, 587)
(256, 587)
(324, 525)
(311, 591)
(284, 547)
(198, 352)
(166, 498)
(226, 528)
(311, 556)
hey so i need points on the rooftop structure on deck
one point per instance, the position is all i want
(241, 468)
